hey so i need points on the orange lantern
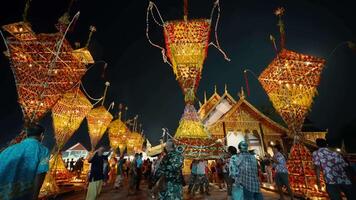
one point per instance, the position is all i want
(134, 143)
(118, 134)
(44, 68)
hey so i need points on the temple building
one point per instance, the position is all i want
(234, 120)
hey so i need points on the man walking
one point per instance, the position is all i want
(23, 166)
(234, 174)
(281, 177)
(247, 166)
(96, 175)
(335, 176)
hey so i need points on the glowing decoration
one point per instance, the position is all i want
(134, 143)
(187, 44)
(68, 114)
(190, 125)
(58, 169)
(98, 121)
(49, 187)
(291, 81)
(118, 134)
(302, 175)
(44, 68)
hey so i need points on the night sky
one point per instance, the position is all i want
(140, 80)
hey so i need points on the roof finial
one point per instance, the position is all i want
(242, 93)
(225, 88)
(215, 90)
(204, 97)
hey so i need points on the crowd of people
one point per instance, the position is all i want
(238, 174)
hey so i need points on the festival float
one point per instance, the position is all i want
(187, 43)
(290, 82)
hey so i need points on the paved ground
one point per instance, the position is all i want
(108, 193)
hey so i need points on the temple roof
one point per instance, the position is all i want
(242, 102)
(208, 104)
(77, 147)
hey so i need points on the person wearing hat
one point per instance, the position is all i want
(23, 166)
(168, 175)
(248, 173)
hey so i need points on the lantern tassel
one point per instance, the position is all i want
(185, 10)
(104, 71)
(25, 12)
(107, 84)
(150, 7)
(247, 85)
(279, 13)
(217, 43)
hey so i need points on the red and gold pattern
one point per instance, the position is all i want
(187, 43)
(290, 82)
(41, 77)
(98, 121)
(302, 175)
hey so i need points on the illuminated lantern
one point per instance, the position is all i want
(118, 134)
(187, 47)
(134, 143)
(44, 68)
(58, 169)
(98, 121)
(49, 186)
(291, 81)
(187, 43)
(190, 125)
(68, 114)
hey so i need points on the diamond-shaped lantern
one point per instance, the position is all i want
(42, 71)
(187, 44)
(291, 81)
(98, 121)
(68, 114)
(134, 143)
(118, 134)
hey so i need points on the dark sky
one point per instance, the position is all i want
(147, 86)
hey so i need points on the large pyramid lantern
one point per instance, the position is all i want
(291, 81)
(187, 43)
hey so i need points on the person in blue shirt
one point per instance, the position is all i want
(23, 166)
